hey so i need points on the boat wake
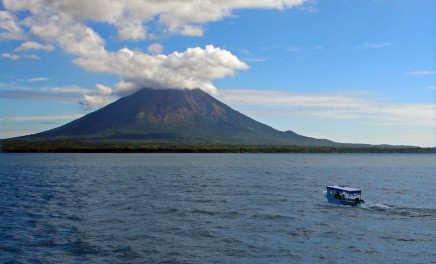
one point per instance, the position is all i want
(399, 210)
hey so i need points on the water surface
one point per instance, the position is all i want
(215, 208)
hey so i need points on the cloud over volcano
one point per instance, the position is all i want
(69, 25)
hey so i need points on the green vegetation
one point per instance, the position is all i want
(137, 146)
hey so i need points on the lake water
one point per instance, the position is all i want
(215, 208)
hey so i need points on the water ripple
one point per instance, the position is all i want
(213, 208)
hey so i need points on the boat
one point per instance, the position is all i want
(345, 195)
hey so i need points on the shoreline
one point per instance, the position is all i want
(72, 146)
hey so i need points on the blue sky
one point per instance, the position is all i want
(349, 71)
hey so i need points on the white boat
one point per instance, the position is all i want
(339, 194)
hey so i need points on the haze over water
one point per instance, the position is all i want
(215, 208)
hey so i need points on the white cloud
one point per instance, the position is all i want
(271, 98)
(422, 73)
(31, 45)
(352, 117)
(193, 68)
(103, 89)
(14, 126)
(10, 56)
(126, 52)
(89, 102)
(125, 88)
(30, 56)
(133, 18)
(373, 45)
(82, 41)
(40, 118)
(155, 49)
(9, 28)
(65, 24)
(356, 109)
(10, 133)
(13, 56)
(293, 49)
(38, 79)
(102, 97)
(55, 94)
(131, 30)
(66, 89)
(256, 59)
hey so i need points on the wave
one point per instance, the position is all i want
(399, 210)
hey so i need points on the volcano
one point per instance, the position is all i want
(174, 117)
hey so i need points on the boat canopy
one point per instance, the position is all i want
(340, 188)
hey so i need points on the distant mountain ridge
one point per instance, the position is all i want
(174, 117)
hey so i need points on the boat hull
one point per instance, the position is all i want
(340, 201)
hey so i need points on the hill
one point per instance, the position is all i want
(178, 121)
(174, 117)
